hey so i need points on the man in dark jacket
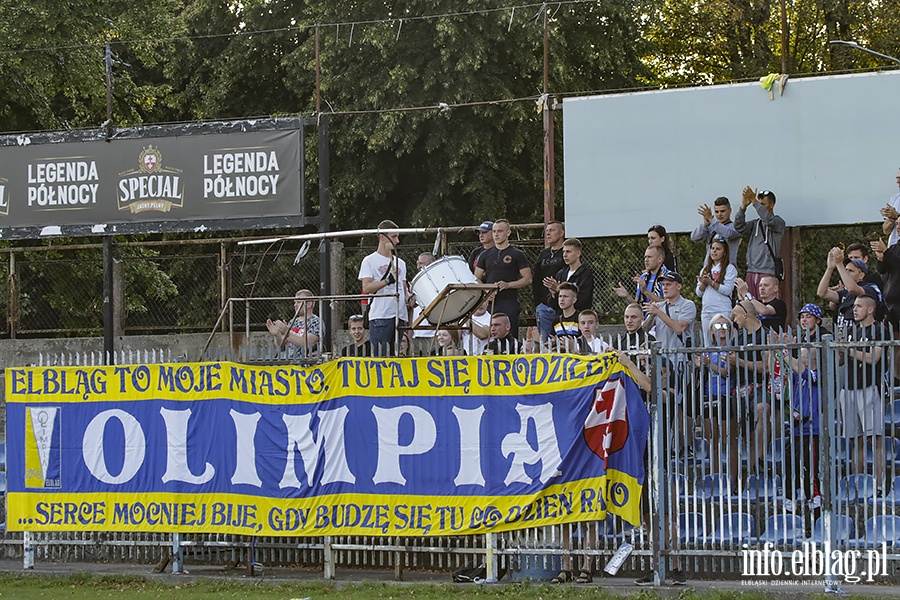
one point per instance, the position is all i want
(575, 272)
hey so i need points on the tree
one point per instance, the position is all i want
(52, 62)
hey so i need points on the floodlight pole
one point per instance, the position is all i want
(549, 160)
(864, 49)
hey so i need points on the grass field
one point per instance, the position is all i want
(74, 587)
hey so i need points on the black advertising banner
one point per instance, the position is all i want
(105, 186)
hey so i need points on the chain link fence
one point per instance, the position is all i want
(182, 285)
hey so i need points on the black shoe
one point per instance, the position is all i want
(678, 577)
(646, 580)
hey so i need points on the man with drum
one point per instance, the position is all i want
(508, 267)
(383, 274)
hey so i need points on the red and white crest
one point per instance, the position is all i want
(606, 426)
(150, 159)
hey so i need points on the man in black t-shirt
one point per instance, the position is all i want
(771, 309)
(862, 407)
(852, 273)
(507, 266)
(860, 251)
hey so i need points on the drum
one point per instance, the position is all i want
(432, 280)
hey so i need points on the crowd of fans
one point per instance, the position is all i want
(751, 371)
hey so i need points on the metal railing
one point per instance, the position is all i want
(729, 469)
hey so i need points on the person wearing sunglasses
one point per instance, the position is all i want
(763, 233)
(717, 222)
(719, 402)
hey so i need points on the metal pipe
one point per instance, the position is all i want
(864, 49)
(361, 232)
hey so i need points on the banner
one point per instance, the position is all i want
(175, 179)
(426, 446)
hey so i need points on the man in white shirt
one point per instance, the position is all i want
(474, 342)
(383, 274)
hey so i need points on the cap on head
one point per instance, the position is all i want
(485, 227)
(671, 276)
(812, 309)
(860, 264)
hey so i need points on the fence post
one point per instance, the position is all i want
(12, 295)
(223, 281)
(328, 558)
(177, 555)
(28, 551)
(827, 428)
(490, 558)
(657, 469)
(338, 288)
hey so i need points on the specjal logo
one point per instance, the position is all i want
(152, 186)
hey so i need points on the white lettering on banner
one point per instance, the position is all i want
(62, 195)
(239, 162)
(331, 430)
(240, 186)
(245, 463)
(388, 428)
(134, 451)
(469, 421)
(151, 187)
(240, 174)
(176, 449)
(62, 183)
(63, 172)
(547, 451)
(329, 446)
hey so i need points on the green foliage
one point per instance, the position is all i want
(52, 61)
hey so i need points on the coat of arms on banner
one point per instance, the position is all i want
(606, 426)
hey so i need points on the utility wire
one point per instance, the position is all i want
(296, 28)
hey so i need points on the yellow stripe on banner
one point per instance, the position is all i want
(286, 384)
(345, 514)
(34, 473)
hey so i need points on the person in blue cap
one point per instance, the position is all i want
(811, 328)
(487, 242)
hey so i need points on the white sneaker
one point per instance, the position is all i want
(816, 502)
(789, 505)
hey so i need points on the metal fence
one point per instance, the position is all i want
(758, 451)
(180, 285)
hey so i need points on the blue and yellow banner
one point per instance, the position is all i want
(425, 446)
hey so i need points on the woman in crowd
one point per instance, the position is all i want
(447, 343)
(656, 236)
(715, 283)
(719, 402)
